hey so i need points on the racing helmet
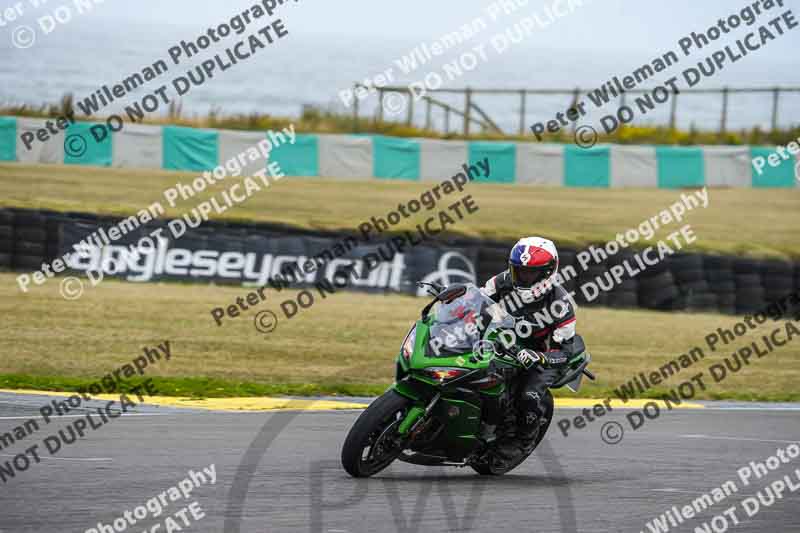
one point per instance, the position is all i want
(533, 264)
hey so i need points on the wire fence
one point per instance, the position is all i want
(448, 117)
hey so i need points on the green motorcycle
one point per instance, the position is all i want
(452, 361)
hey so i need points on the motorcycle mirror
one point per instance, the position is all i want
(433, 288)
(451, 293)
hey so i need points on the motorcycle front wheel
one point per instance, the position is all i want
(372, 443)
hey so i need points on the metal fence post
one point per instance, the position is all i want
(380, 106)
(673, 111)
(467, 108)
(427, 113)
(522, 112)
(447, 120)
(575, 95)
(724, 121)
(776, 93)
(410, 115)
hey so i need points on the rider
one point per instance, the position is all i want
(545, 326)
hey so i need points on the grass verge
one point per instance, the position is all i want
(344, 344)
(737, 221)
(200, 388)
(194, 387)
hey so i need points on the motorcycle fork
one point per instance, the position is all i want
(416, 415)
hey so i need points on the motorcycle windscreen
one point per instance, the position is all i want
(459, 324)
(447, 340)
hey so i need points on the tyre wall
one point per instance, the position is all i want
(681, 282)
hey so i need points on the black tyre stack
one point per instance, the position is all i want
(589, 278)
(797, 277)
(657, 288)
(567, 262)
(625, 294)
(30, 240)
(6, 239)
(726, 284)
(749, 290)
(778, 279)
(695, 292)
(718, 271)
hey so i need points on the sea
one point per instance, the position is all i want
(317, 70)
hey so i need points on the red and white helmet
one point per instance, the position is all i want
(533, 265)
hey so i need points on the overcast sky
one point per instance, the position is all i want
(599, 24)
(641, 29)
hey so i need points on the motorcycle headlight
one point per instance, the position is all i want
(442, 374)
(407, 348)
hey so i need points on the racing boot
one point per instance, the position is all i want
(528, 428)
(509, 450)
(487, 433)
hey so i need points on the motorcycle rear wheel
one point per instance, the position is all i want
(369, 446)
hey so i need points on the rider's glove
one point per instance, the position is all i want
(556, 359)
(528, 358)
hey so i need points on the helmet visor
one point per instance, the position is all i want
(526, 277)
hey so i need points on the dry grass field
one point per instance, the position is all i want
(345, 343)
(747, 221)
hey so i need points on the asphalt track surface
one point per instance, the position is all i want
(280, 471)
